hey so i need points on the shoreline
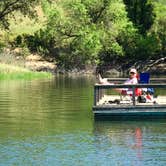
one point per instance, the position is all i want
(36, 63)
(10, 72)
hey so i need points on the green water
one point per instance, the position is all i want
(50, 122)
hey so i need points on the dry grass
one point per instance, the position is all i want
(7, 57)
(6, 69)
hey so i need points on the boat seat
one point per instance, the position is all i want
(144, 78)
(147, 93)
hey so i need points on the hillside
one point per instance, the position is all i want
(83, 35)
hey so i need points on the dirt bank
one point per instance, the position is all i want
(35, 62)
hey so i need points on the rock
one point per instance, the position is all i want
(37, 63)
(33, 57)
(113, 73)
(41, 66)
(17, 50)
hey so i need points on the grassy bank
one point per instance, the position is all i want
(14, 72)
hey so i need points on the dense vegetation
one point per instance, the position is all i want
(92, 32)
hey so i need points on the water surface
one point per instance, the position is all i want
(50, 122)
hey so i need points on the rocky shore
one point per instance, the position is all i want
(154, 67)
(35, 62)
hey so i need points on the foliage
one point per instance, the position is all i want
(8, 7)
(79, 32)
(38, 42)
(158, 29)
(2, 44)
(141, 14)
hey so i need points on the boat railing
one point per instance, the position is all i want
(152, 80)
(99, 89)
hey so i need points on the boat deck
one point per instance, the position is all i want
(128, 106)
(110, 100)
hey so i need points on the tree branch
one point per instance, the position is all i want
(8, 8)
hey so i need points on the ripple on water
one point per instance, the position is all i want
(50, 123)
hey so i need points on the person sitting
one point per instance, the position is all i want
(124, 92)
(103, 80)
(131, 80)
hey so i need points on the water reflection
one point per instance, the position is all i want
(50, 122)
(45, 106)
(132, 142)
(138, 142)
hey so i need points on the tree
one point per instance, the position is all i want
(158, 29)
(141, 14)
(86, 31)
(8, 7)
(80, 32)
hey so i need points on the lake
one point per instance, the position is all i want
(50, 122)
